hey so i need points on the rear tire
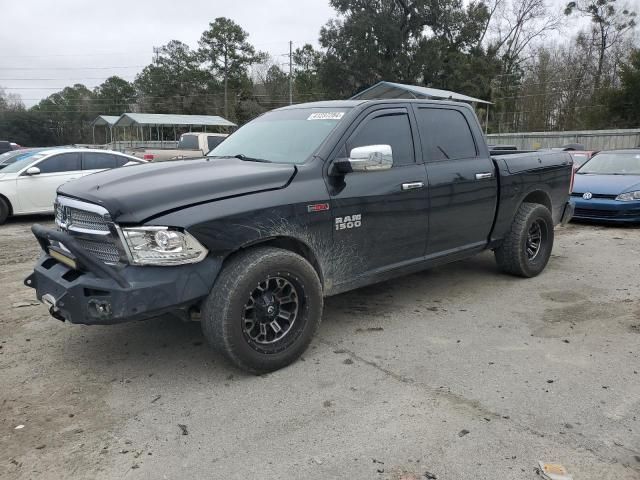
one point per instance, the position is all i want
(264, 309)
(527, 246)
(4, 211)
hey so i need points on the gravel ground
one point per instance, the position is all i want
(455, 373)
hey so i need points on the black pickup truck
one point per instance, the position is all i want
(301, 203)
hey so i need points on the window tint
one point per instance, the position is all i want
(392, 129)
(213, 142)
(445, 134)
(64, 162)
(122, 161)
(97, 161)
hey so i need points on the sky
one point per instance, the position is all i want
(46, 45)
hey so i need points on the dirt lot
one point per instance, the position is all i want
(456, 373)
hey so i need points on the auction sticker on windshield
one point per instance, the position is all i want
(326, 116)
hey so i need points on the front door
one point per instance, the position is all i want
(36, 193)
(380, 217)
(463, 188)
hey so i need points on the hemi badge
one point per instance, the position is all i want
(317, 207)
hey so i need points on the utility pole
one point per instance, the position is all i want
(156, 54)
(226, 76)
(290, 72)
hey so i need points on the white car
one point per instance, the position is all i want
(29, 184)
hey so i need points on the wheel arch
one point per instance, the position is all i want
(508, 208)
(538, 196)
(8, 202)
(291, 244)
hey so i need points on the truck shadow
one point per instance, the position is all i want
(412, 292)
(167, 346)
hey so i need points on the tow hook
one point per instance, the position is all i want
(50, 301)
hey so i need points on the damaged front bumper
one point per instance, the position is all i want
(92, 292)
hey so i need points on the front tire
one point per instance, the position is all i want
(264, 309)
(4, 211)
(527, 246)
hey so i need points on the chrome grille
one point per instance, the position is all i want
(59, 214)
(105, 251)
(90, 226)
(87, 220)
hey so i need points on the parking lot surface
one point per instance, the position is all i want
(455, 373)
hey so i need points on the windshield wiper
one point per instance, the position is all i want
(244, 158)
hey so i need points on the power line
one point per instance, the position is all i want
(141, 52)
(49, 79)
(73, 68)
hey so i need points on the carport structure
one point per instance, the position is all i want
(143, 122)
(106, 121)
(393, 90)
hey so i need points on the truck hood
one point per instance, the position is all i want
(134, 194)
(605, 184)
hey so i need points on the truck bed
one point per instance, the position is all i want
(547, 174)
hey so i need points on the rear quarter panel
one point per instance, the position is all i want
(542, 175)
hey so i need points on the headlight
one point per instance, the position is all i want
(162, 246)
(629, 196)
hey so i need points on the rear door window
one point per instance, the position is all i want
(98, 161)
(387, 129)
(445, 134)
(63, 162)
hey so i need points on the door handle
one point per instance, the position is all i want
(483, 176)
(412, 185)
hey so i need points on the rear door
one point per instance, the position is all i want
(36, 193)
(380, 217)
(463, 188)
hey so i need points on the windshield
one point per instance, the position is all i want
(22, 162)
(15, 155)
(10, 157)
(283, 136)
(612, 163)
(578, 158)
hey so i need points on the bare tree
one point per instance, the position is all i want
(609, 26)
(10, 101)
(520, 24)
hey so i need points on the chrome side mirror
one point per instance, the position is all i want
(371, 158)
(32, 171)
